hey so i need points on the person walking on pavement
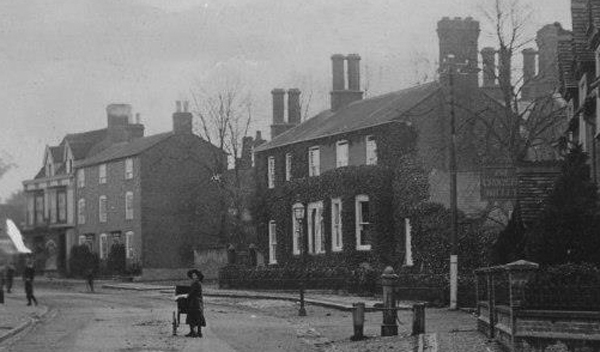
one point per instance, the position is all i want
(28, 275)
(10, 274)
(195, 313)
(90, 280)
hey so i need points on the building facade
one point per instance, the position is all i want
(155, 195)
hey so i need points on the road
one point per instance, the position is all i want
(141, 321)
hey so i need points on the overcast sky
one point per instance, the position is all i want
(63, 61)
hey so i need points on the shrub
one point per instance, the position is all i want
(82, 260)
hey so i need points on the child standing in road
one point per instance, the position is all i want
(28, 275)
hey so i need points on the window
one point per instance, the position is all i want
(81, 240)
(128, 168)
(272, 243)
(129, 205)
(81, 211)
(408, 259)
(129, 245)
(363, 228)
(316, 243)
(80, 178)
(371, 147)
(288, 167)
(103, 246)
(52, 205)
(314, 161)
(295, 235)
(30, 209)
(271, 172)
(582, 90)
(336, 224)
(69, 166)
(61, 201)
(39, 208)
(341, 154)
(102, 209)
(583, 133)
(102, 173)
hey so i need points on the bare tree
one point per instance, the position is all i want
(224, 118)
(518, 124)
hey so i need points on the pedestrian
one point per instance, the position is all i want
(195, 310)
(10, 274)
(90, 280)
(2, 275)
(28, 275)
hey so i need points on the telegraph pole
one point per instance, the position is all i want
(453, 191)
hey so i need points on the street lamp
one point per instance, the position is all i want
(298, 209)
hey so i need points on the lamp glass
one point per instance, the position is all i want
(298, 211)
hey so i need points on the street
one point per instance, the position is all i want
(141, 321)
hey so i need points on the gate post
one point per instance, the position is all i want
(388, 282)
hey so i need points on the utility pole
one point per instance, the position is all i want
(453, 190)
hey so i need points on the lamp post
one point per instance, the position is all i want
(299, 212)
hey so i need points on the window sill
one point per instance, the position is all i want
(363, 248)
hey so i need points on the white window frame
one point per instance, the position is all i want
(583, 89)
(102, 173)
(314, 161)
(102, 209)
(69, 165)
(288, 166)
(337, 242)
(271, 172)
(370, 150)
(408, 258)
(315, 240)
(296, 249)
(103, 241)
(128, 205)
(129, 168)
(342, 149)
(80, 178)
(129, 244)
(360, 224)
(81, 211)
(272, 242)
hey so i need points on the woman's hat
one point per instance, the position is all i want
(197, 272)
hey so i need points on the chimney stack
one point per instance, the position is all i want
(488, 57)
(294, 113)
(118, 117)
(340, 94)
(337, 68)
(353, 72)
(182, 118)
(278, 105)
(458, 38)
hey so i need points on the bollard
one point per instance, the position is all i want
(174, 324)
(388, 281)
(418, 319)
(358, 319)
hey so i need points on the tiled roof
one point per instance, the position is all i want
(358, 115)
(124, 149)
(82, 143)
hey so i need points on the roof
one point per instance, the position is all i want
(124, 149)
(355, 116)
(82, 143)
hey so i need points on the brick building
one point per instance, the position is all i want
(343, 164)
(579, 62)
(153, 194)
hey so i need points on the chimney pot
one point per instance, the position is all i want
(258, 136)
(186, 105)
(353, 72)
(337, 66)
(182, 120)
(178, 106)
(278, 105)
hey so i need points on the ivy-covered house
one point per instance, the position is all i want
(362, 168)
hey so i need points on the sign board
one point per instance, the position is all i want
(499, 183)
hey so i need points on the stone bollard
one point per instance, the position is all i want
(388, 282)
(418, 326)
(358, 320)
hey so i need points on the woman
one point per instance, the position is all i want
(195, 312)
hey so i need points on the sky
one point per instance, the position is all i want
(63, 61)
